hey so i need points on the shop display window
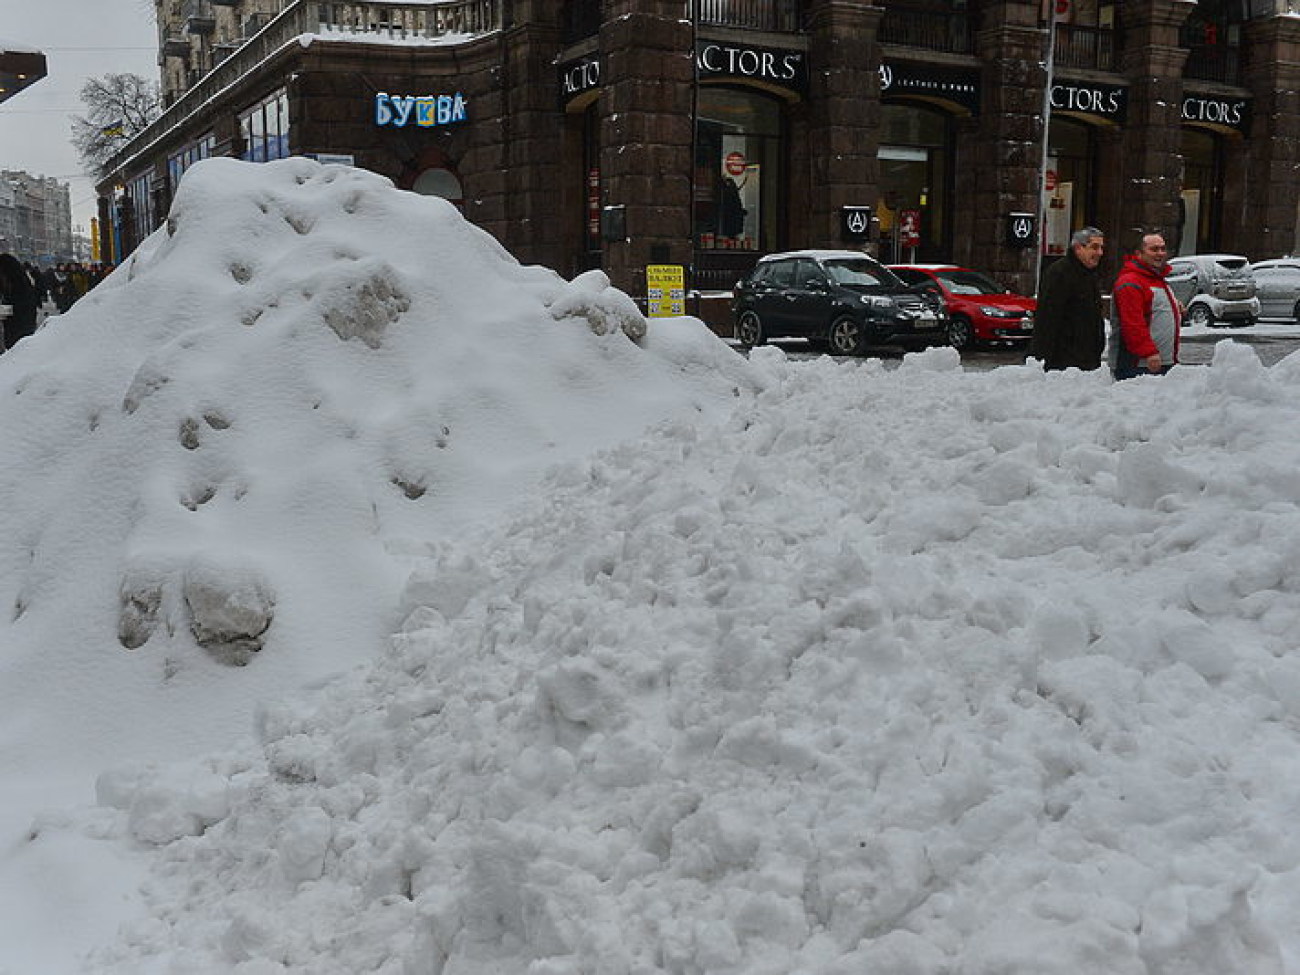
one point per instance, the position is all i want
(1067, 190)
(737, 169)
(265, 129)
(179, 162)
(913, 206)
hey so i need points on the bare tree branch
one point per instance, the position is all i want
(118, 107)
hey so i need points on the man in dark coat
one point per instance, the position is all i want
(20, 294)
(1069, 326)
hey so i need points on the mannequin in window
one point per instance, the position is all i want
(731, 220)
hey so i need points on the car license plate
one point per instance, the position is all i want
(925, 318)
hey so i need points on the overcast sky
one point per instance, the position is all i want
(80, 39)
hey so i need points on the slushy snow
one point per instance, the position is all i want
(382, 605)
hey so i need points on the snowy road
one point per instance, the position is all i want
(1272, 342)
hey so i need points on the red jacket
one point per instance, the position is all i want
(1148, 313)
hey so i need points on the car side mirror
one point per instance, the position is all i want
(816, 284)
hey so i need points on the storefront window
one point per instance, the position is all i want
(591, 192)
(1201, 175)
(187, 157)
(265, 129)
(1067, 190)
(139, 210)
(737, 170)
(914, 172)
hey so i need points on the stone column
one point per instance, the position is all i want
(1152, 60)
(843, 113)
(532, 136)
(1273, 176)
(646, 136)
(1006, 159)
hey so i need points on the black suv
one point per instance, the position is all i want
(842, 299)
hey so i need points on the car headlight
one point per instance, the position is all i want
(879, 302)
(1000, 312)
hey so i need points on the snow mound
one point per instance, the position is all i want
(1004, 684)
(234, 447)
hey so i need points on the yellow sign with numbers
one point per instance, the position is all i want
(665, 290)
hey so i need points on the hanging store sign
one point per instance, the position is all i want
(1108, 102)
(426, 111)
(739, 62)
(578, 79)
(956, 87)
(1022, 229)
(856, 223)
(1217, 113)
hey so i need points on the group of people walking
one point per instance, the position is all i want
(25, 289)
(1070, 325)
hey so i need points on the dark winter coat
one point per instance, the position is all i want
(19, 292)
(1069, 326)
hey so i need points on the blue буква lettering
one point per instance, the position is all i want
(422, 110)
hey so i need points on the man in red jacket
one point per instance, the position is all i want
(1145, 316)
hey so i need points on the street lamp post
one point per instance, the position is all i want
(1041, 208)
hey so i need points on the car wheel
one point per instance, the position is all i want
(845, 336)
(749, 330)
(1200, 316)
(961, 334)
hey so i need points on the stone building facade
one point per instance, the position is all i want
(35, 217)
(624, 133)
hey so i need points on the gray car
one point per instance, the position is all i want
(1216, 289)
(1277, 284)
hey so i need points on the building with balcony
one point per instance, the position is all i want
(35, 217)
(622, 133)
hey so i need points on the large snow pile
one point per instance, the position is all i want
(217, 469)
(917, 672)
(240, 439)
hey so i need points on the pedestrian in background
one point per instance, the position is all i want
(1070, 323)
(17, 291)
(1145, 317)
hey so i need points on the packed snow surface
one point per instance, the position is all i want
(678, 662)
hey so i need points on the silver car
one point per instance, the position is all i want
(1215, 289)
(1277, 284)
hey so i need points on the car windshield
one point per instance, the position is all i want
(1232, 263)
(860, 273)
(968, 283)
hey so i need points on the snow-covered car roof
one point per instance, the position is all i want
(816, 254)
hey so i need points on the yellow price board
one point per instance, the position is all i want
(665, 290)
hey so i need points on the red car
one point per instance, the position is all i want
(979, 311)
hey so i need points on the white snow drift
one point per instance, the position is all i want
(835, 669)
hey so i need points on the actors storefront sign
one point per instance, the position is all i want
(425, 111)
(1107, 102)
(579, 81)
(786, 69)
(1217, 113)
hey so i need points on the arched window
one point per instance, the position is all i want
(440, 182)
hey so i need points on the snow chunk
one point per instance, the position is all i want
(605, 309)
(230, 608)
